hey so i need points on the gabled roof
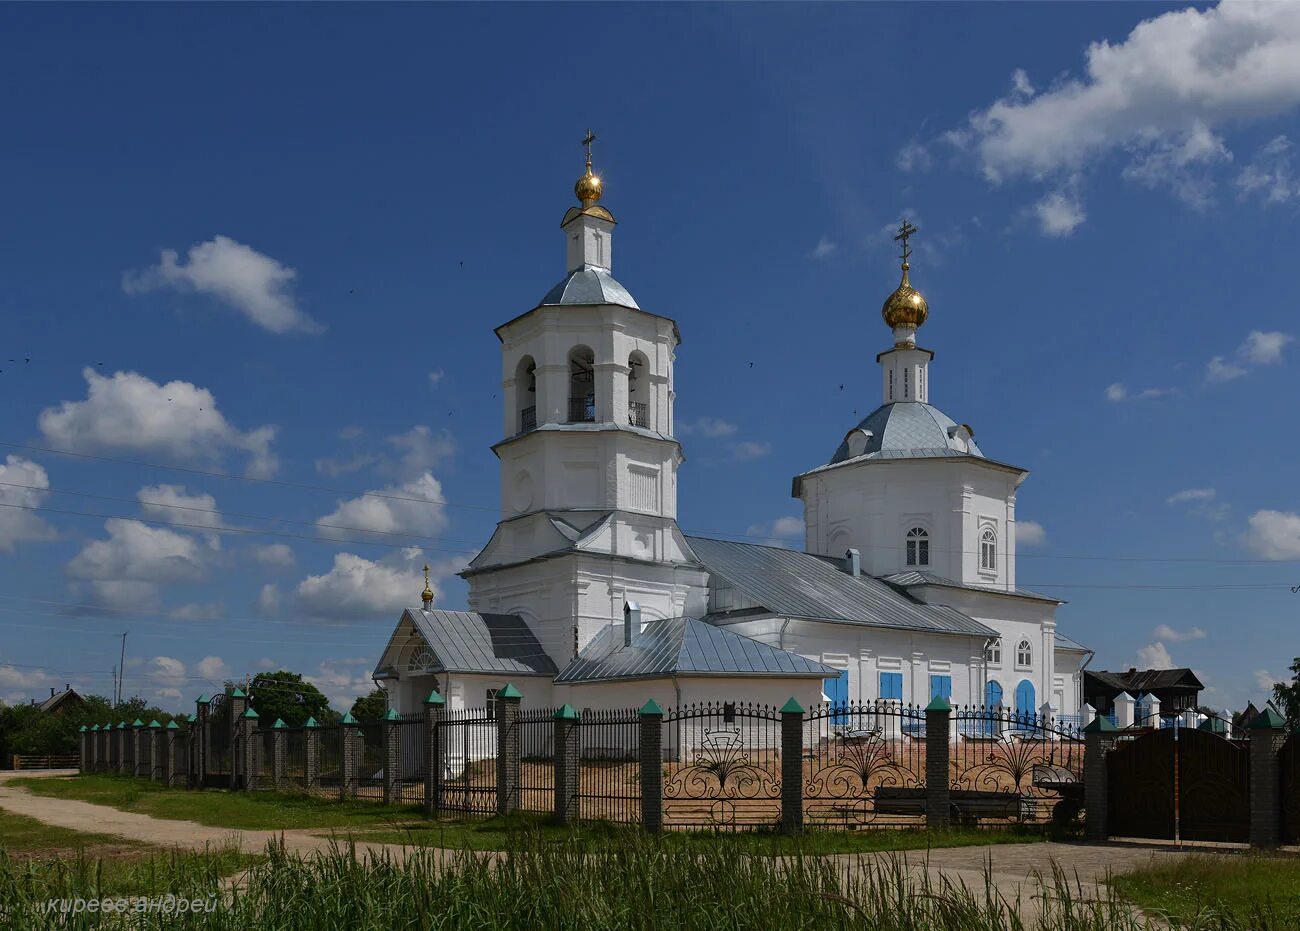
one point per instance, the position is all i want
(793, 584)
(683, 646)
(1144, 680)
(55, 701)
(1065, 643)
(468, 642)
(915, 577)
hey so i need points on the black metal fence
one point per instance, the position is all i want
(609, 766)
(722, 766)
(469, 784)
(536, 759)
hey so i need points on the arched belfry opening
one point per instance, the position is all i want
(639, 391)
(582, 385)
(526, 394)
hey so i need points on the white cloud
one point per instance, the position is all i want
(435, 377)
(1219, 369)
(240, 277)
(266, 663)
(1269, 175)
(1159, 97)
(393, 514)
(198, 611)
(419, 450)
(212, 667)
(1173, 635)
(1154, 656)
(1259, 348)
(824, 249)
(125, 571)
(1059, 213)
(356, 588)
(747, 450)
(343, 680)
(127, 412)
(166, 676)
(1020, 85)
(1273, 534)
(1191, 494)
(777, 532)
(914, 156)
(274, 555)
(1117, 392)
(268, 599)
(1265, 680)
(1030, 533)
(17, 524)
(174, 504)
(709, 427)
(334, 467)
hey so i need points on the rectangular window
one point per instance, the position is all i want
(941, 687)
(924, 548)
(891, 685)
(491, 704)
(911, 552)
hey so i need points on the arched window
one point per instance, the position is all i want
(993, 651)
(988, 550)
(638, 390)
(422, 661)
(582, 385)
(526, 393)
(1024, 653)
(918, 547)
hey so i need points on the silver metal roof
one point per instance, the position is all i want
(464, 641)
(906, 429)
(794, 584)
(683, 646)
(589, 284)
(915, 577)
(1065, 643)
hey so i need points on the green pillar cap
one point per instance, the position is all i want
(792, 707)
(1100, 725)
(566, 712)
(123, 726)
(238, 693)
(154, 723)
(938, 703)
(202, 700)
(250, 713)
(173, 726)
(435, 699)
(310, 722)
(652, 707)
(509, 691)
(278, 723)
(84, 728)
(391, 715)
(95, 728)
(348, 719)
(138, 723)
(1267, 720)
(192, 719)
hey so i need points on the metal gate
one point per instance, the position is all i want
(1288, 761)
(722, 766)
(1179, 784)
(217, 756)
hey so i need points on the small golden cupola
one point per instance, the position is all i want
(589, 187)
(427, 595)
(905, 310)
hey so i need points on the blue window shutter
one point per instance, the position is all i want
(941, 687)
(891, 685)
(1025, 698)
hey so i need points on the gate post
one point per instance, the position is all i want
(792, 767)
(436, 766)
(1125, 710)
(155, 751)
(1267, 732)
(311, 777)
(352, 750)
(938, 715)
(566, 765)
(507, 749)
(277, 754)
(141, 765)
(88, 738)
(190, 735)
(238, 702)
(199, 740)
(392, 759)
(169, 761)
(1098, 739)
(248, 749)
(85, 745)
(652, 767)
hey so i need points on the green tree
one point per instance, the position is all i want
(287, 696)
(1287, 695)
(370, 707)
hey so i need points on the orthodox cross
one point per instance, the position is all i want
(587, 141)
(905, 231)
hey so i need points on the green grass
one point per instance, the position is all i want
(1254, 890)
(505, 833)
(248, 811)
(21, 836)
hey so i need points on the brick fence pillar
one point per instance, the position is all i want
(392, 756)
(938, 751)
(125, 764)
(108, 760)
(84, 748)
(508, 749)
(791, 767)
(140, 749)
(352, 749)
(277, 755)
(169, 753)
(1098, 739)
(652, 767)
(1267, 733)
(156, 748)
(237, 701)
(89, 761)
(311, 776)
(249, 736)
(200, 740)
(190, 735)
(566, 765)
(436, 764)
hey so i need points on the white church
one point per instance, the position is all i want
(589, 593)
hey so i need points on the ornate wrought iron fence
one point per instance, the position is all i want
(370, 769)
(331, 758)
(609, 766)
(864, 765)
(218, 766)
(469, 739)
(536, 759)
(1012, 767)
(295, 758)
(723, 766)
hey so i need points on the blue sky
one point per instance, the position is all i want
(271, 242)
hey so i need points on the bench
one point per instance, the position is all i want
(965, 805)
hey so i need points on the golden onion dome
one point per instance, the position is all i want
(905, 307)
(589, 188)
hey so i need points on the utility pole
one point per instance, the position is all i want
(122, 666)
